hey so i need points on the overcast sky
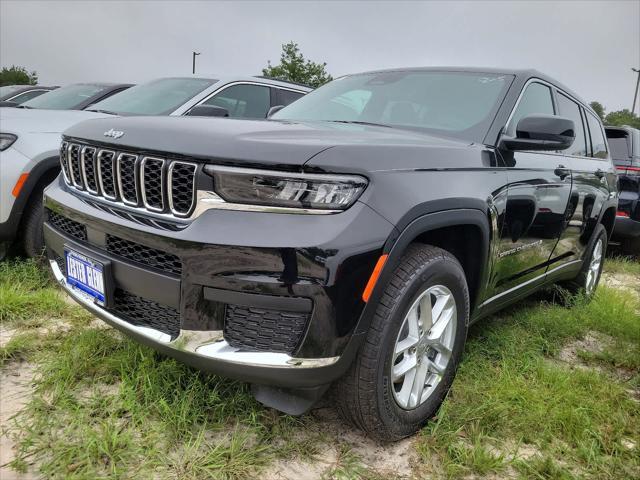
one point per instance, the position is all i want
(590, 46)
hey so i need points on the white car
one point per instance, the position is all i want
(30, 139)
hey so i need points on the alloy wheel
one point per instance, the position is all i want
(423, 348)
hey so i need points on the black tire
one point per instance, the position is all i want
(364, 394)
(32, 232)
(579, 285)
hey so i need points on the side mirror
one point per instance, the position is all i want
(274, 109)
(541, 132)
(208, 111)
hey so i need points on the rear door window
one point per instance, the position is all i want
(285, 97)
(619, 143)
(571, 110)
(243, 101)
(598, 143)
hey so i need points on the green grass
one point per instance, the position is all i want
(623, 264)
(106, 407)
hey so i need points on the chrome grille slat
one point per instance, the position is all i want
(152, 180)
(88, 163)
(182, 188)
(106, 174)
(127, 174)
(74, 166)
(144, 183)
(64, 161)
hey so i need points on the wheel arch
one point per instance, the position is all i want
(447, 229)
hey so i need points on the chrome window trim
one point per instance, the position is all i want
(143, 190)
(170, 188)
(83, 168)
(43, 90)
(99, 169)
(76, 184)
(123, 199)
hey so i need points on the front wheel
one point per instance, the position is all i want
(412, 349)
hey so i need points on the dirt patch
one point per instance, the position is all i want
(6, 334)
(623, 281)
(394, 460)
(593, 342)
(16, 386)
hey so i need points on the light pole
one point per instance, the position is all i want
(635, 96)
(195, 54)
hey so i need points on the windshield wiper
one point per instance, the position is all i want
(108, 112)
(358, 122)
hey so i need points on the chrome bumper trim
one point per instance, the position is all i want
(208, 345)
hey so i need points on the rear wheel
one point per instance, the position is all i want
(409, 357)
(587, 280)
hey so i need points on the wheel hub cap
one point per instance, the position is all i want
(423, 347)
(594, 267)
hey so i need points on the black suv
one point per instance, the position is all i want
(348, 241)
(625, 152)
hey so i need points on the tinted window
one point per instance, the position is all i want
(65, 98)
(23, 97)
(535, 99)
(598, 143)
(243, 101)
(571, 110)
(285, 97)
(159, 97)
(454, 103)
(619, 144)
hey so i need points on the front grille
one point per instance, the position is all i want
(154, 184)
(62, 265)
(163, 261)
(66, 225)
(260, 329)
(146, 313)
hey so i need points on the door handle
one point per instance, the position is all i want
(599, 173)
(562, 172)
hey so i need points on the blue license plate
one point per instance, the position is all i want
(86, 275)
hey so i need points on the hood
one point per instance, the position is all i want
(236, 141)
(30, 120)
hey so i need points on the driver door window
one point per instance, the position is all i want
(243, 101)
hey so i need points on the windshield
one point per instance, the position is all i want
(461, 104)
(65, 98)
(7, 89)
(159, 97)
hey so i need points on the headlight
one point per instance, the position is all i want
(289, 190)
(6, 140)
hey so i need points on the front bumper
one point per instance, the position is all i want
(262, 260)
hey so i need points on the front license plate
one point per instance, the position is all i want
(86, 275)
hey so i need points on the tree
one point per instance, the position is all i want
(622, 117)
(17, 76)
(599, 109)
(294, 68)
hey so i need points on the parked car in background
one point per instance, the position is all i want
(625, 151)
(13, 95)
(31, 137)
(75, 97)
(350, 239)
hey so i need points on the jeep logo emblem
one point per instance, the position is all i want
(113, 133)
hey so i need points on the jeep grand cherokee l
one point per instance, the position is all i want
(348, 241)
